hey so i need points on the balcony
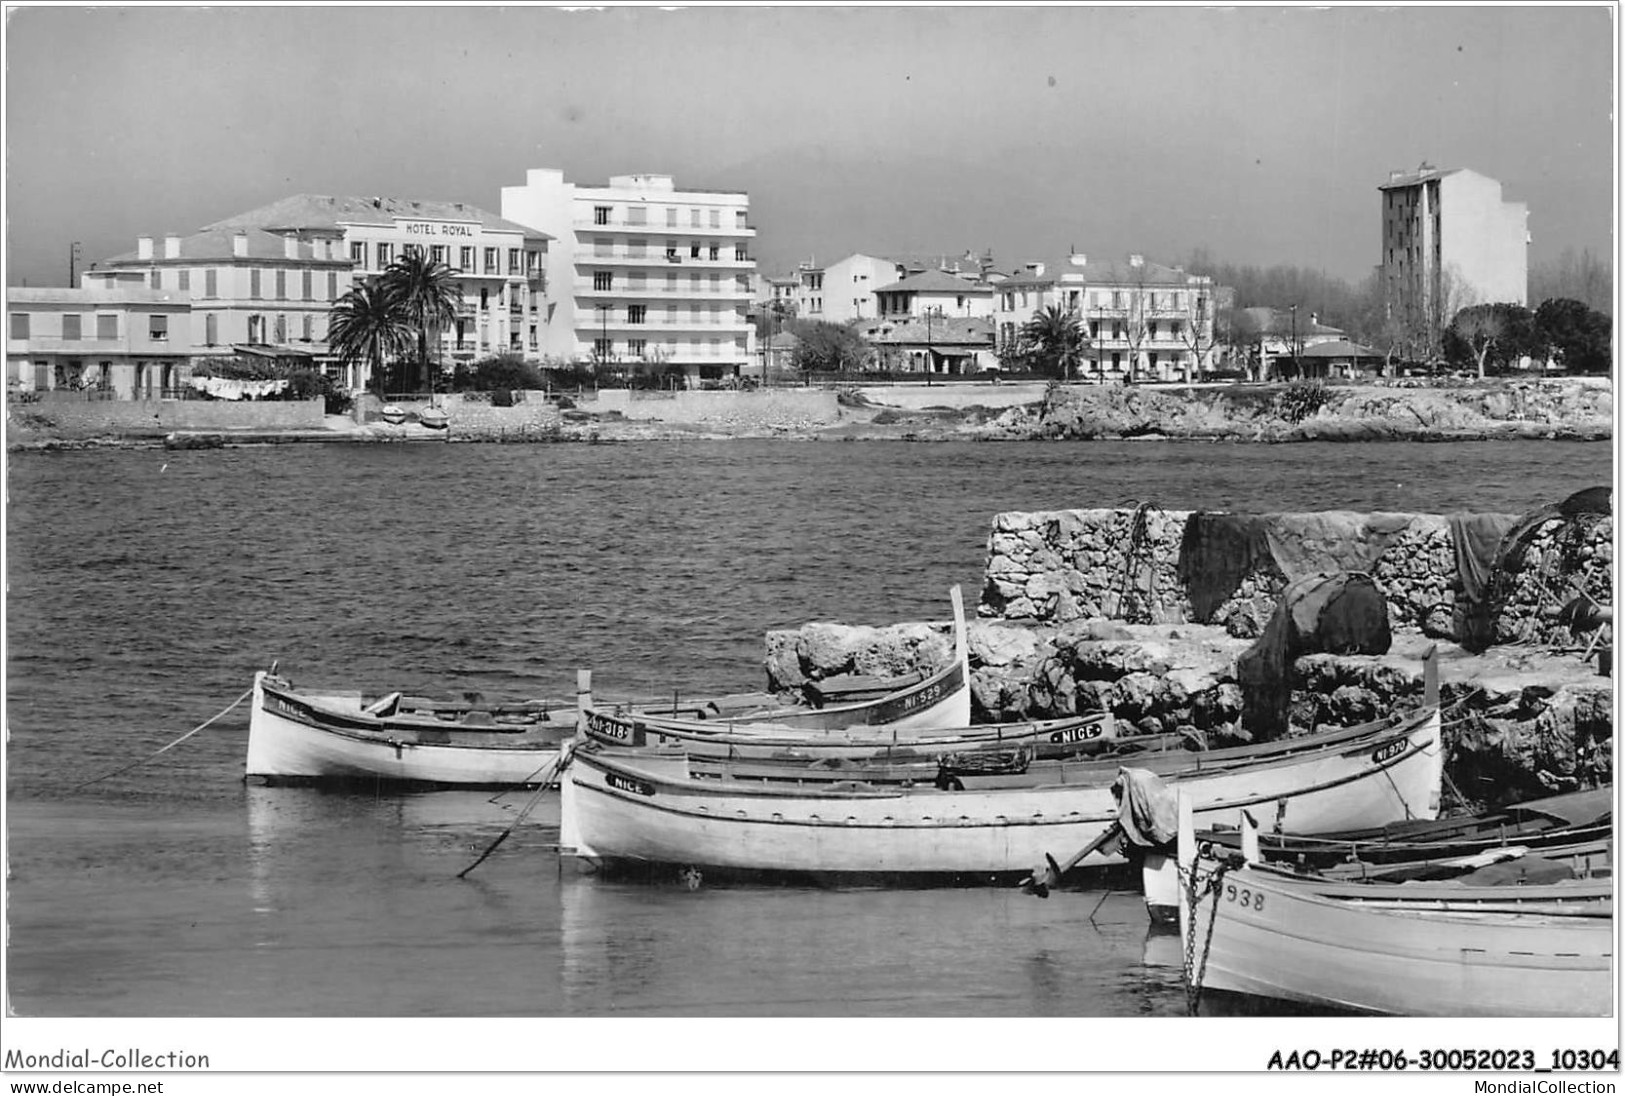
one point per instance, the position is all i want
(655, 228)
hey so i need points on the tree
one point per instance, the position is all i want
(366, 327)
(425, 295)
(1489, 334)
(1583, 277)
(1056, 340)
(828, 347)
(1199, 332)
(1578, 337)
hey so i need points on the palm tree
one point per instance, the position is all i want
(1057, 335)
(425, 295)
(366, 327)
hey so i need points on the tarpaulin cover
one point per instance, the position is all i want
(1477, 539)
(1218, 550)
(1146, 807)
(1338, 612)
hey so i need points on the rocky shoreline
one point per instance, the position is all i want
(1565, 409)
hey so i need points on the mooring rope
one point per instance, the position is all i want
(162, 749)
(560, 763)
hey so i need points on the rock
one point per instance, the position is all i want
(992, 645)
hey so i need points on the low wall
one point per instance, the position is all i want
(99, 417)
(763, 408)
(915, 397)
(1054, 567)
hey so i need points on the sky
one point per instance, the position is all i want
(1257, 134)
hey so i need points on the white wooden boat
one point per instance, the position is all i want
(296, 737)
(1263, 932)
(922, 705)
(434, 418)
(627, 806)
(392, 414)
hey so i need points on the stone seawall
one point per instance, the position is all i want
(93, 418)
(784, 409)
(1523, 718)
(1055, 567)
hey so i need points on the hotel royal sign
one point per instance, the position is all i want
(439, 228)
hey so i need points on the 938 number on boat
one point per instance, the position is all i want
(1245, 897)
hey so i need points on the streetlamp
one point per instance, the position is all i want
(73, 261)
(1296, 368)
(928, 363)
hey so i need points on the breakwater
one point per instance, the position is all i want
(1111, 610)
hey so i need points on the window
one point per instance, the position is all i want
(358, 253)
(602, 248)
(386, 253)
(603, 280)
(603, 347)
(491, 260)
(70, 327)
(158, 327)
(210, 285)
(634, 280)
(281, 328)
(254, 284)
(637, 215)
(513, 261)
(671, 281)
(485, 298)
(533, 262)
(694, 218)
(1117, 298)
(716, 218)
(106, 326)
(533, 343)
(671, 251)
(637, 247)
(157, 279)
(716, 252)
(211, 328)
(185, 277)
(412, 251)
(465, 258)
(634, 347)
(739, 254)
(332, 285)
(437, 253)
(671, 216)
(19, 325)
(635, 313)
(600, 215)
(739, 219)
(693, 251)
(281, 285)
(305, 289)
(307, 326)
(671, 313)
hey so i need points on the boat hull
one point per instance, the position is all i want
(619, 807)
(1281, 939)
(295, 739)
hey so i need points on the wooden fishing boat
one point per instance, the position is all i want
(1520, 951)
(1574, 830)
(392, 414)
(434, 418)
(296, 737)
(919, 704)
(624, 806)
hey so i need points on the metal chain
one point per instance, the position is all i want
(1193, 983)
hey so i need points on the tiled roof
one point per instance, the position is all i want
(306, 211)
(943, 330)
(935, 281)
(1278, 321)
(1099, 272)
(1341, 348)
(218, 243)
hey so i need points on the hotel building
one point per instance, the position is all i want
(648, 276)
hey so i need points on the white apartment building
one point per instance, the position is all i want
(648, 276)
(1145, 321)
(1450, 241)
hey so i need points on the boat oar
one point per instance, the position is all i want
(541, 786)
(1048, 874)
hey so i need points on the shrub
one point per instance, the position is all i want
(1300, 399)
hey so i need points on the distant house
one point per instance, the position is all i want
(1276, 336)
(1339, 357)
(936, 292)
(932, 344)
